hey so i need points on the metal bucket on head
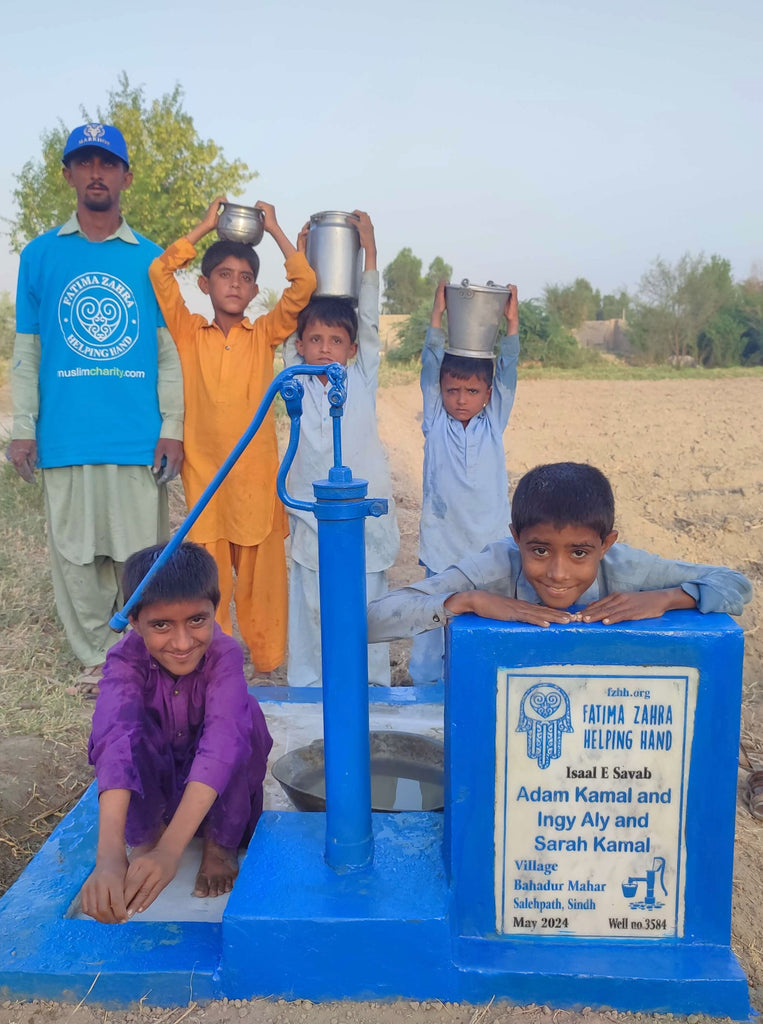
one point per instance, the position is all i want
(241, 224)
(475, 313)
(334, 253)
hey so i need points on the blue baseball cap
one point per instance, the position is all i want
(100, 136)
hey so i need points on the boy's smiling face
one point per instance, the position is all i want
(561, 564)
(322, 344)
(231, 286)
(177, 633)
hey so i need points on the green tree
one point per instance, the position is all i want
(571, 304)
(411, 334)
(614, 307)
(750, 304)
(722, 341)
(542, 339)
(438, 271)
(404, 287)
(177, 173)
(677, 304)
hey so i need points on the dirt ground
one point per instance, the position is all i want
(684, 458)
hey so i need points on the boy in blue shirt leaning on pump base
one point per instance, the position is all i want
(562, 553)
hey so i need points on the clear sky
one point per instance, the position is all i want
(531, 142)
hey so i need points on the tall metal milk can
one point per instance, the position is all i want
(475, 313)
(334, 253)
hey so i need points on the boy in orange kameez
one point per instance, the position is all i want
(227, 367)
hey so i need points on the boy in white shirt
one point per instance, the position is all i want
(326, 333)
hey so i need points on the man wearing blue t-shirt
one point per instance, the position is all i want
(97, 393)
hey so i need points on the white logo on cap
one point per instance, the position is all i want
(94, 132)
(98, 316)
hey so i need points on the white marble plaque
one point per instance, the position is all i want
(592, 771)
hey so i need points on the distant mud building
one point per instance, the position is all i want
(604, 335)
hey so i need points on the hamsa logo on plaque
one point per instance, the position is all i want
(544, 715)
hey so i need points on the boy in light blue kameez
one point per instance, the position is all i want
(561, 564)
(465, 501)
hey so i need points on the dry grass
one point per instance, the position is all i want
(36, 664)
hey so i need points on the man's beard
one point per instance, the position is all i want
(99, 201)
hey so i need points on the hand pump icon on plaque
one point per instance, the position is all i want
(631, 887)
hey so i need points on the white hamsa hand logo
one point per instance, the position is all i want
(544, 715)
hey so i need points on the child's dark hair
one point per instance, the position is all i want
(219, 251)
(564, 493)
(464, 367)
(190, 573)
(330, 311)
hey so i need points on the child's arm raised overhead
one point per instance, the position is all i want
(281, 321)
(431, 361)
(505, 379)
(369, 344)
(289, 353)
(176, 257)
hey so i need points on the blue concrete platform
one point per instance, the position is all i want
(421, 921)
(295, 927)
(46, 955)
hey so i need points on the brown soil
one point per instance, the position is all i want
(684, 459)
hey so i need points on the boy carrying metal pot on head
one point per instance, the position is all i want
(465, 488)
(326, 333)
(227, 367)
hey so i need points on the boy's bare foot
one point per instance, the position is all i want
(218, 870)
(86, 683)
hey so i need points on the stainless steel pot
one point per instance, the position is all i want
(474, 317)
(334, 253)
(241, 224)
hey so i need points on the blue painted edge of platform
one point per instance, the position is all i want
(45, 955)
(395, 696)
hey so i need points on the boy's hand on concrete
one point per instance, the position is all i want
(362, 222)
(506, 609)
(103, 894)
(302, 237)
(23, 454)
(511, 311)
(270, 222)
(147, 876)
(438, 306)
(645, 604)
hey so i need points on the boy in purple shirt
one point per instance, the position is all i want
(179, 746)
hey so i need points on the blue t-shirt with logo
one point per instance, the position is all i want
(94, 309)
